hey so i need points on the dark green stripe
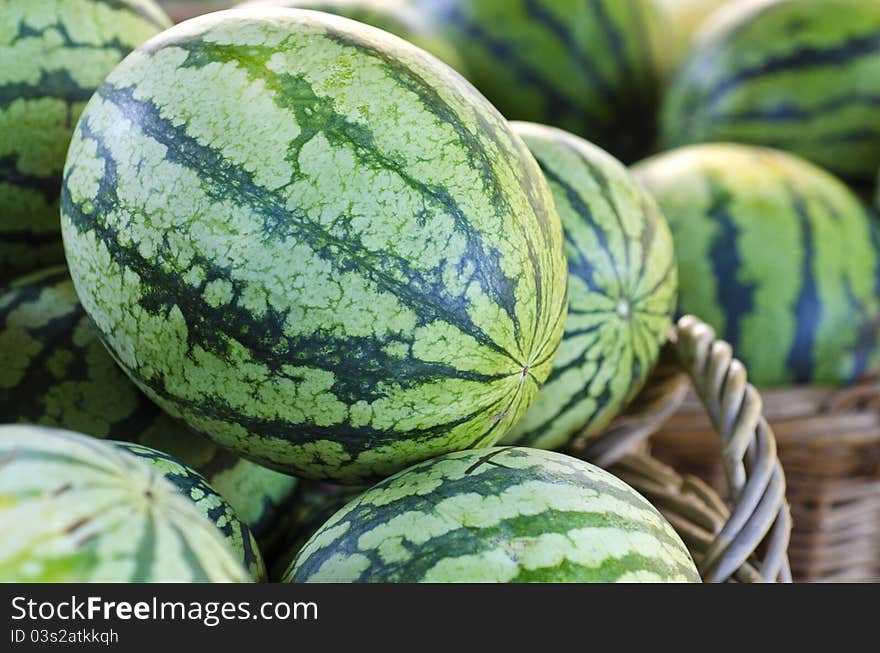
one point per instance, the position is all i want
(611, 570)
(353, 439)
(537, 11)
(650, 292)
(581, 266)
(463, 541)
(426, 296)
(26, 31)
(53, 84)
(315, 114)
(559, 107)
(788, 111)
(48, 187)
(736, 297)
(261, 336)
(602, 396)
(837, 54)
(808, 307)
(598, 174)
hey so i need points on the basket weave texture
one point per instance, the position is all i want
(745, 537)
(829, 445)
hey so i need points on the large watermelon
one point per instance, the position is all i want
(621, 289)
(592, 68)
(210, 504)
(797, 75)
(400, 17)
(314, 242)
(776, 254)
(53, 55)
(54, 371)
(502, 514)
(75, 509)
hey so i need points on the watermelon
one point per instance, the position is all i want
(502, 514)
(315, 243)
(398, 17)
(797, 75)
(54, 371)
(74, 509)
(315, 502)
(210, 504)
(621, 290)
(779, 256)
(592, 68)
(53, 55)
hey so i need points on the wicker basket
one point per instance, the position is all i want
(829, 444)
(746, 537)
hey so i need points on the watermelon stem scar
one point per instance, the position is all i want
(487, 460)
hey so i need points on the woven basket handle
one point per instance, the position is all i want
(759, 517)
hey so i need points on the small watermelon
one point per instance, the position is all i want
(621, 290)
(592, 68)
(53, 55)
(315, 502)
(354, 266)
(214, 507)
(779, 256)
(796, 75)
(74, 509)
(54, 371)
(399, 17)
(499, 515)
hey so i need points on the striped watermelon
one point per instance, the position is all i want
(503, 514)
(797, 75)
(777, 255)
(398, 17)
(75, 509)
(354, 266)
(53, 55)
(54, 371)
(210, 504)
(314, 504)
(592, 68)
(622, 290)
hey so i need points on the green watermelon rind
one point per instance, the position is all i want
(76, 509)
(795, 75)
(55, 372)
(51, 65)
(778, 256)
(453, 302)
(622, 290)
(503, 514)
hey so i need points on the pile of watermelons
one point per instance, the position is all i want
(270, 244)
